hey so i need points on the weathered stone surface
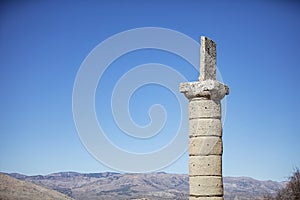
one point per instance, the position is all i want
(202, 146)
(209, 89)
(206, 185)
(205, 127)
(207, 59)
(205, 146)
(206, 198)
(207, 86)
(199, 108)
(205, 165)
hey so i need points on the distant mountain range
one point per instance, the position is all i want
(152, 186)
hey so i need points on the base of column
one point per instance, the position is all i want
(206, 198)
(203, 186)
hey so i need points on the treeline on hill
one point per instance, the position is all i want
(291, 191)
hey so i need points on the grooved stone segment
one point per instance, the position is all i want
(205, 165)
(205, 127)
(206, 198)
(204, 109)
(207, 59)
(206, 186)
(202, 146)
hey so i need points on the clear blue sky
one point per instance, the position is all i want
(43, 43)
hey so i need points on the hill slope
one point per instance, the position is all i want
(11, 188)
(240, 188)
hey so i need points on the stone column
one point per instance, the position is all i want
(205, 132)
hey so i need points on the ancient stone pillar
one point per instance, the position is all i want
(205, 133)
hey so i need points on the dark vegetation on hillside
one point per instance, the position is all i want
(291, 191)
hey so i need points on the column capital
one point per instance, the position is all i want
(208, 89)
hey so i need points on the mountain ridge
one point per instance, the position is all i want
(159, 185)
